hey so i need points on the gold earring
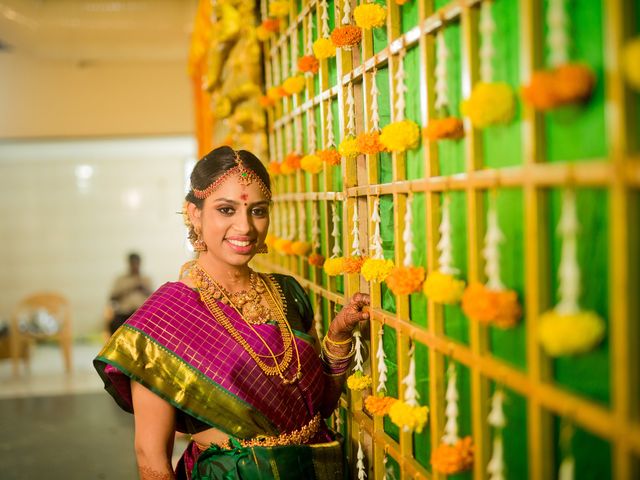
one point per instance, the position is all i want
(198, 243)
(264, 248)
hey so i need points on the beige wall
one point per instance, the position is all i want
(44, 98)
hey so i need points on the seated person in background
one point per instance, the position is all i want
(129, 292)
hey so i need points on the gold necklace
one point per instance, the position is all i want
(206, 286)
(247, 302)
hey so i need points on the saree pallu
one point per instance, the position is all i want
(173, 346)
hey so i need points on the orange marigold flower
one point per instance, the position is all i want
(369, 143)
(574, 83)
(266, 101)
(273, 168)
(353, 264)
(540, 93)
(441, 128)
(330, 156)
(276, 93)
(405, 280)
(271, 25)
(316, 259)
(378, 405)
(452, 459)
(283, 246)
(291, 163)
(308, 63)
(497, 307)
(346, 36)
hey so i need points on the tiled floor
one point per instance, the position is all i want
(59, 426)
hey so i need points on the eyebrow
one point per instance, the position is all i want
(234, 202)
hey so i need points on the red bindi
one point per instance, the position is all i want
(244, 196)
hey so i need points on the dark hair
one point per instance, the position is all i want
(134, 256)
(216, 163)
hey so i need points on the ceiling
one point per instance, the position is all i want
(86, 31)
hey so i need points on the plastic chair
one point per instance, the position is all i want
(53, 307)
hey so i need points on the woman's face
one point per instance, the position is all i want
(233, 220)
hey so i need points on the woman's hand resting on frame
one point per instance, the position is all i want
(347, 320)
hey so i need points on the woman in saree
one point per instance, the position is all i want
(228, 355)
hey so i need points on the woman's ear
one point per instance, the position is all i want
(194, 215)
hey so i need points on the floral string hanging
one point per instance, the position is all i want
(335, 265)
(376, 268)
(564, 83)
(567, 329)
(408, 414)
(315, 258)
(317, 318)
(402, 134)
(368, 143)
(379, 404)
(354, 261)
(329, 154)
(311, 162)
(406, 279)
(492, 303)
(348, 147)
(358, 380)
(323, 47)
(362, 470)
(347, 36)
(490, 102)
(441, 285)
(497, 419)
(567, 467)
(444, 126)
(454, 454)
(308, 63)
(301, 246)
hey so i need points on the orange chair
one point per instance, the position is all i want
(55, 305)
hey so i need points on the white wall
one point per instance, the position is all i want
(71, 210)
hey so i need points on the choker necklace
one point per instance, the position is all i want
(246, 302)
(209, 288)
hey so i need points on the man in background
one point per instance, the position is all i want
(128, 293)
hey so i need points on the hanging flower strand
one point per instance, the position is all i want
(308, 63)
(567, 329)
(454, 454)
(493, 303)
(379, 404)
(315, 259)
(346, 36)
(401, 134)
(323, 47)
(353, 263)
(362, 471)
(408, 414)
(376, 268)
(406, 279)
(348, 146)
(441, 285)
(301, 246)
(311, 162)
(490, 102)
(329, 154)
(444, 126)
(358, 380)
(568, 463)
(335, 265)
(497, 419)
(368, 143)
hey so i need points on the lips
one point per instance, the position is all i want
(241, 246)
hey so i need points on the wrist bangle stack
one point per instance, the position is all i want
(336, 365)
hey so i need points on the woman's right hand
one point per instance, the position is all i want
(347, 320)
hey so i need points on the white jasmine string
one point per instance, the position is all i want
(358, 359)
(401, 88)
(346, 10)
(557, 32)
(411, 394)
(335, 232)
(491, 251)
(325, 19)
(285, 56)
(298, 126)
(407, 234)
(331, 141)
(376, 240)
(310, 35)
(351, 111)
(381, 365)
(375, 114)
(302, 222)
(441, 87)
(315, 227)
(292, 222)
(362, 474)
(569, 270)
(311, 127)
(450, 436)
(294, 53)
(487, 28)
(445, 246)
(355, 232)
(497, 419)
(317, 318)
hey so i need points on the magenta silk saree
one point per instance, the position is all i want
(174, 346)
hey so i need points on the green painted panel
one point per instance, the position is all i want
(592, 454)
(414, 157)
(387, 232)
(408, 15)
(464, 405)
(514, 435)
(422, 441)
(389, 345)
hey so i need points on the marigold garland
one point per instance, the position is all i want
(358, 381)
(369, 15)
(311, 163)
(353, 264)
(262, 34)
(452, 459)
(450, 128)
(369, 143)
(300, 247)
(631, 62)
(316, 259)
(400, 136)
(489, 104)
(443, 288)
(570, 334)
(570, 83)
(376, 269)
(308, 64)
(266, 101)
(270, 240)
(334, 266)
(496, 307)
(274, 168)
(290, 164)
(324, 48)
(348, 147)
(283, 246)
(409, 417)
(271, 25)
(346, 36)
(378, 404)
(278, 8)
(330, 156)
(405, 280)
(276, 93)
(293, 85)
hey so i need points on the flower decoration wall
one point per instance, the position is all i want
(358, 380)
(379, 404)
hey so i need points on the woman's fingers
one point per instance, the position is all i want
(360, 300)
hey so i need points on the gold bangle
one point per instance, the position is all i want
(349, 340)
(333, 356)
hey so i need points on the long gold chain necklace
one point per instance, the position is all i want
(208, 288)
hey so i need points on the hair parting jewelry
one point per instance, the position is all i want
(246, 176)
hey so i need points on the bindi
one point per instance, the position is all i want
(244, 196)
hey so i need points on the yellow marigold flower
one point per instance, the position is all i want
(262, 33)
(348, 147)
(496, 307)
(293, 85)
(324, 48)
(278, 8)
(443, 288)
(311, 163)
(570, 334)
(358, 381)
(405, 280)
(408, 417)
(369, 15)
(334, 266)
(300, 248)
(379, 405)
(490, 104)
(283, 246)
(400, 136)
(631, 62)
(270, 240)
(376, 269)
(452, 459)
